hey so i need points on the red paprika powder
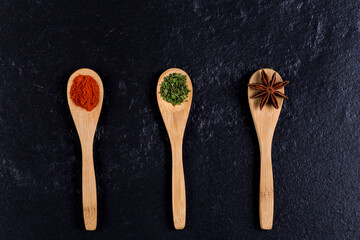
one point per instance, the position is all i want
(84, 92)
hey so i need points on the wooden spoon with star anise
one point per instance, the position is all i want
(265, 100)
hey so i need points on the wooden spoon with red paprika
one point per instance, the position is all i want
(85, 94)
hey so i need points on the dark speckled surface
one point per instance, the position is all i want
(313, 44)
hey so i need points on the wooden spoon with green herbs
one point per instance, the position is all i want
(174, 95)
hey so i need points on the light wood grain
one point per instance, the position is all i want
(86, 123)
(265, 121)
(175, 118)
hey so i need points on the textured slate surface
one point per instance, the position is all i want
(313, 44)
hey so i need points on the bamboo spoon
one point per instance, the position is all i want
(265, 121)
(85, 123)
(175, 118)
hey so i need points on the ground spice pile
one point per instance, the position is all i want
(84, 92)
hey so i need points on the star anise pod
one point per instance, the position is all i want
(268, 90)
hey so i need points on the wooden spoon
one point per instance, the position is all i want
(265, 121)
(175, 118)
(85, 123)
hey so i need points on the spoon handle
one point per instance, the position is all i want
(89, 188)
(178, 185)
(266, 201)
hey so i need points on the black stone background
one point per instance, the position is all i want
(220, 44)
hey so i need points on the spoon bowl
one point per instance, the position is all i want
(265, 121)
(175, 118)
(86, 122)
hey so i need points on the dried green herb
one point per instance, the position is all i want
(174, 89)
